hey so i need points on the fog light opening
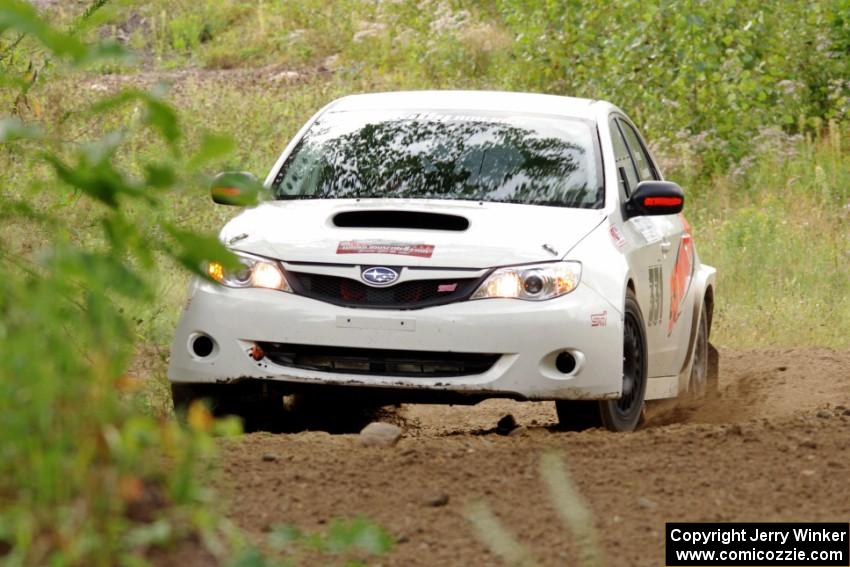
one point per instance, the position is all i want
(565, 362)
(202, 346)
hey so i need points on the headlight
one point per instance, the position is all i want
(534, 282)
(256, 272)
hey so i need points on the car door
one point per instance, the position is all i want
(644, 256)
(672, 328)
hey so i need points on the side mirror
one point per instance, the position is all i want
(237, 188)
(655, 198)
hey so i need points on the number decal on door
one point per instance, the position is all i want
(656, 295)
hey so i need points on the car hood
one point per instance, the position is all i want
(497, 234)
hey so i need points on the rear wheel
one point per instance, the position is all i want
(704, 375)
(624, 413)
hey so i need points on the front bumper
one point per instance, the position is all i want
(527, 335)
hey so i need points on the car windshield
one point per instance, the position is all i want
(500, 157)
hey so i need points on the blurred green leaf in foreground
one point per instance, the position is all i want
(86, 479)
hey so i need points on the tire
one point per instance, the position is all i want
(698, 384)
(183, 395)
(258, 404)
(331, 413)
(703, 381)
(625, 413)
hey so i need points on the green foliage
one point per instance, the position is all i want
(717, 69)
(347, 540)
(22, 17)
(85, 479)
(710, 74)
(778, 230)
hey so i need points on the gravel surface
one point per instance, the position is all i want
(774, 446)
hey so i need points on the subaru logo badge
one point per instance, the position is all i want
(379, 276)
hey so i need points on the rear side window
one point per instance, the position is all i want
(626, 172)
(642, 161)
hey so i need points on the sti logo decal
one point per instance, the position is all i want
(599, 319)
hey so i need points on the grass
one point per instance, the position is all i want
(779, 236)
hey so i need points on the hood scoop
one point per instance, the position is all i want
(400, 219)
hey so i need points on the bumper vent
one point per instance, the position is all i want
(379, 362)
(414, 294)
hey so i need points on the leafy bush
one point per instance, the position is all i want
(777, 229)
(84, 478)
(706, 75)
(720, 70)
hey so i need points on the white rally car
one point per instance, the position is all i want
(451, 247)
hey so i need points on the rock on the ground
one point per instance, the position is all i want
(506, 424)
(437, 500)
(380, 434)
(285, 76)
(735, 429)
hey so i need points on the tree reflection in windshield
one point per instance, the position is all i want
(513, 159)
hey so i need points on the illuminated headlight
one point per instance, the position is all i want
(534, 282)
(256, 272)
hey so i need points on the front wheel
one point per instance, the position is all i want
(624, 413)
(259, 405)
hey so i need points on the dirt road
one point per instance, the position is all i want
(775, 446)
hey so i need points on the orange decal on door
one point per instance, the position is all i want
(681, 276)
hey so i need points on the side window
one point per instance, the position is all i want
(622, 159)
(642, 161)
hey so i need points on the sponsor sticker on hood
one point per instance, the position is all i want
(385, 247)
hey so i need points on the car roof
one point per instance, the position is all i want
(493, 101)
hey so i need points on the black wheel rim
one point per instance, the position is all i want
(633, 368)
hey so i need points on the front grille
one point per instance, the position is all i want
(379, 362)
(413, 294)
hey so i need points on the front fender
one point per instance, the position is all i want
(604, 266)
